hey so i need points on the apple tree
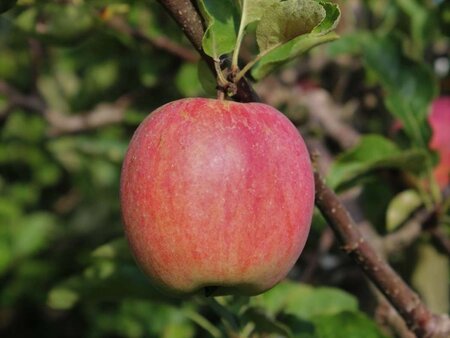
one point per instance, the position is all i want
(365, 83)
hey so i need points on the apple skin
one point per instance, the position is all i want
(216, 195)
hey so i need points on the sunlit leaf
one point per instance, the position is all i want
(346, 325)
(305, 301)
(220, 35)
(409, 86)
(401, 207)
(435, 290)
(374, 152)
(281, 40)
(286, 20)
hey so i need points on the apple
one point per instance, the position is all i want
(216, 196)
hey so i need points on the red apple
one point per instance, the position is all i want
(216, 195)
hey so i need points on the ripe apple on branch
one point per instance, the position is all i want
(216, 196)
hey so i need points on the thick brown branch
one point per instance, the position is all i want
(418, 318)
(187, 17)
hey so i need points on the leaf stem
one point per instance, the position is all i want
(249, 65)
(235, 59)
(221, 80)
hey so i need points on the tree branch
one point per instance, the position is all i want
(102, 115)
(418, 318)
(159, 42)
(61, 124)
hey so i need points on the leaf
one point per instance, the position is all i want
(111, 276)
(304, 301)
(253, 10)
(104, 281)
(265, 323)
(350, 43)
(35, 234)
(206, 78)
(286, 20)
(374, 152)
(220, 35)
(435, 290)
(410, 87)
(57, 23)
(421, 23)
(346, 325)
(300, 328)
(401, 207)
(281, 42)
(186, 81)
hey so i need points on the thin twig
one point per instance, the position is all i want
(102, 115)
(160, 42)
(61, 124)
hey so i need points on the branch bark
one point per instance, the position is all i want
(418, 318)
(61, 124)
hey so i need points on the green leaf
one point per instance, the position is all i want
(304, 301)
(281, 39)
(265, 323)
(206, 78)
(435, 290)
(286, 20)
(35, 233)
(374, 152)
(300, 328)
(253, 10)
(401, 207)
(106, 280)
(350, 43)
(346, 325)
(410, 87)
(57, 23)
(220, 35)
(117, 249)
(421, 22)
(186, 81)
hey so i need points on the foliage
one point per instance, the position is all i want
(65, 269)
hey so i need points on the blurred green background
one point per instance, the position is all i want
(78, 76)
